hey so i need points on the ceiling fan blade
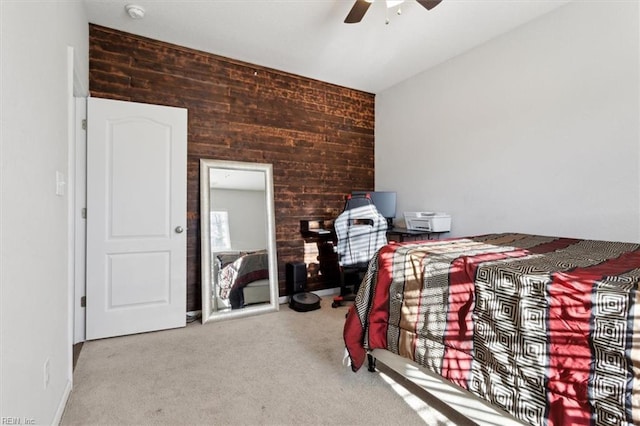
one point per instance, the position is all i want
(357, 12)
(429, 4)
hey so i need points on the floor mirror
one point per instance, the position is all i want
(238, 248)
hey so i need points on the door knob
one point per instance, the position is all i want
(179, 229)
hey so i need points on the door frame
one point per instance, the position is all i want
(76, 87)
(78, 180)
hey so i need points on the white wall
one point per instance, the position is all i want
(247, 216)
(536, 131)
(34, 268)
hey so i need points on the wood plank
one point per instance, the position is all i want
(318, 136)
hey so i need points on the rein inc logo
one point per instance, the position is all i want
(17, 421)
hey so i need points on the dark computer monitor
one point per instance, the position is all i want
(385, 202)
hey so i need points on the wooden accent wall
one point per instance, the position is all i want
(318, 136)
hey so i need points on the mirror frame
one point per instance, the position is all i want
(205, 242)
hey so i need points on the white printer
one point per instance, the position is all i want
(427, 221)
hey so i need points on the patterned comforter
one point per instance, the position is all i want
(545, 328)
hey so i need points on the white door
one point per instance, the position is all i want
(136, 218)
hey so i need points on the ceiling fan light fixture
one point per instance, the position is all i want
(134, 11)
(393, 3)
(360, 7)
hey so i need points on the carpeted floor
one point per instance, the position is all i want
(279, 368)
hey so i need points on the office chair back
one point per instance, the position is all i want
(360, 230)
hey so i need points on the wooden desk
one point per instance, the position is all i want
(403, 234)
(321, 232)
(318, 229)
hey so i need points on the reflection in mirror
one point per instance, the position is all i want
(239, 267)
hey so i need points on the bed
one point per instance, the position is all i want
(543, 328)
(242, 278)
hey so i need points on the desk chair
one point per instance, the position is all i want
(360, 231)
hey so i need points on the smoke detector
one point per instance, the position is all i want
(135, 11)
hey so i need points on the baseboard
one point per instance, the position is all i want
(281, 300)
(324, 292)
(63, 403)
(193, 316)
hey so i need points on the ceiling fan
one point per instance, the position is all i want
(360, 8)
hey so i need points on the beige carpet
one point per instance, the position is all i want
(278, 368)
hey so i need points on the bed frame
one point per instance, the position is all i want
(453, 402)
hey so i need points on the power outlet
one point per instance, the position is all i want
(46, 373)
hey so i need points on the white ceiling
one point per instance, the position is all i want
(309, 38)
(228, 178)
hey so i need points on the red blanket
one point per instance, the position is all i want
(542, 327)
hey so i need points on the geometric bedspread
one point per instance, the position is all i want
(545, 328)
